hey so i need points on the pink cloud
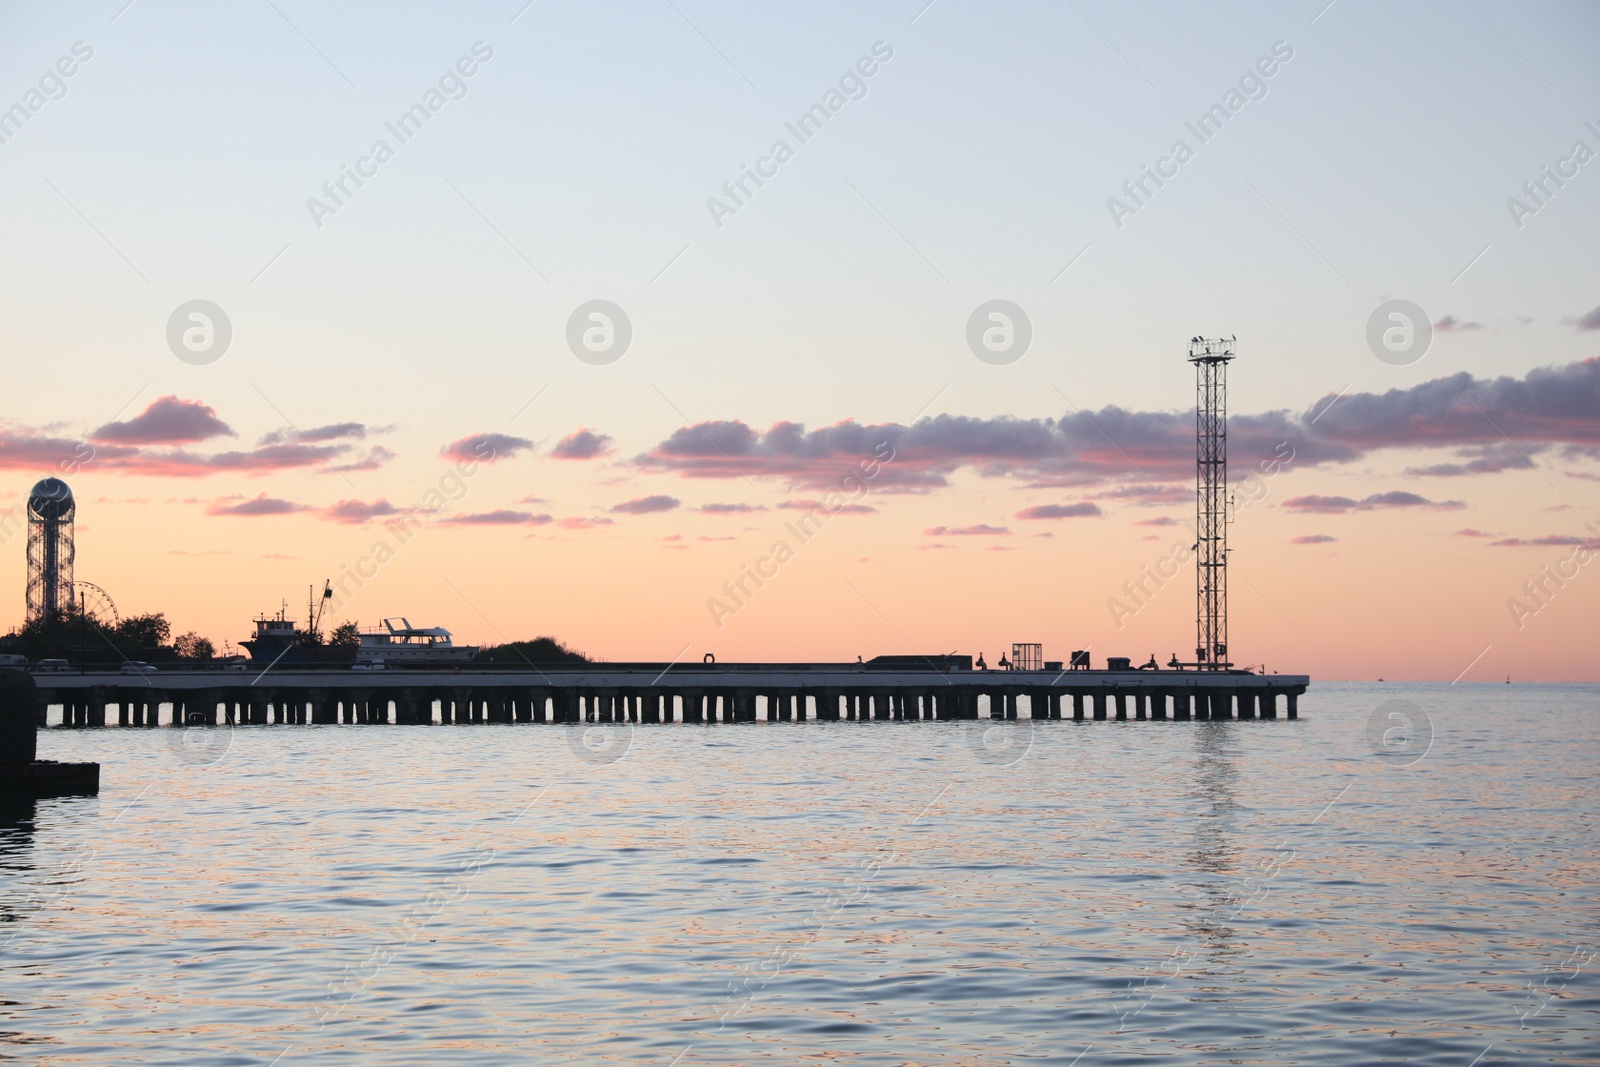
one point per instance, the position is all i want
(982, 529)
(647, 505)
(261, 504)
(1590, 320)
(818, 505)
(181, 464)
(1450, 324)
(583, 524)
(32, 450)
(1061, 511)
(1469, 532)
(485, 447)
(584, 444)
(1312, 539)
(730, 509)
(1549, 541)
(500, 517)
(1165, 520)
(1329, 504)
(358, 511)
(1150, 495)
(1550, 405)
(1482, 459)
(331, 432)
(1334, 505)
(167, 421)
(376, 457)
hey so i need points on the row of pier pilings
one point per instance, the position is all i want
(1147, 703)
(260, 705)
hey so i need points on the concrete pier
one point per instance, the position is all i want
(657, 693)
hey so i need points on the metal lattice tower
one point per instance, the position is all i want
(1210, 358)
(51, 514)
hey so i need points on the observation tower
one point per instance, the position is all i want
(51, 512)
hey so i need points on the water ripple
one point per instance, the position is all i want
(1252, 893)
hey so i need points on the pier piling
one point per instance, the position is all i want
(652, 695)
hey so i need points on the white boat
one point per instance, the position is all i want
(404, 644)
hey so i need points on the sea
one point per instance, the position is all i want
(1406, 874)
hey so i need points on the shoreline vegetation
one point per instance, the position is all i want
(539, 650)
(83, 639)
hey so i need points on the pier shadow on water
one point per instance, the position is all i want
(16, 860)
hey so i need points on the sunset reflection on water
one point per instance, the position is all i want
(1259, 892)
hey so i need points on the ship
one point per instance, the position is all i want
(279, 640)
(404, 645)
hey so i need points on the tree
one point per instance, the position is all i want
(143, 631)
(539, 650)
(345, 635)
(77, 637)
(192, 646)
(63, 636)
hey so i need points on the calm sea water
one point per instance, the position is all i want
(1406, 875)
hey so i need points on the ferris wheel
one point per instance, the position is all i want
(96, 603)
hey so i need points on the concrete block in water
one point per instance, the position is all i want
(22, 773)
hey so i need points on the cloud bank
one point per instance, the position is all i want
(1550, 407)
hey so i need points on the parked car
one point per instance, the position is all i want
(8, 660)
(49, 665)
(137, 666)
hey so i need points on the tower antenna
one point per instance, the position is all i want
(1211, 357)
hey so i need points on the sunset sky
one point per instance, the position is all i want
(388, 335)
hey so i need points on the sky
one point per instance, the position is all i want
(799, 218)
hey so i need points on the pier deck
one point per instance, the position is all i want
(655, 693)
